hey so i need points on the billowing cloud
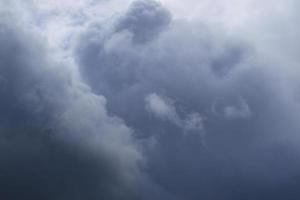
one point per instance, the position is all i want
(57, 139)
(141, 104)
(145, 19)
(190, 67)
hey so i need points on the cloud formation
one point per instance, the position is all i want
(218, 76)
(57, 139)
(164, 109)
(144, 105)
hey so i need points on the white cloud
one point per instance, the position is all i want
(162, 108)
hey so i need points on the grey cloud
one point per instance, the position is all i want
(196, 66)
(193, 123)
(160, 109)
(57, 139)
(238, 109)
(164, 108)
(145, 20)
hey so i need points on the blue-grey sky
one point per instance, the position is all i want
(144, 99)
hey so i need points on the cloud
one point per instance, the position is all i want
(161, 108)
(239, 109)
(57, 139)
(144, 19)
(195, 65)
(193, 122)
(141, 104)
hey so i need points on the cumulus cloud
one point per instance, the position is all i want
(222, 87)
(57, 139)
(146, 105)
(145, 19)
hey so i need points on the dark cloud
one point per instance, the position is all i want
(57, 139)
(153, 108)
(144, 19)
(246, 148)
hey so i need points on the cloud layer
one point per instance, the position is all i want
(146, 105)
(57, 139)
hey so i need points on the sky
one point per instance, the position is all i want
(146, 99)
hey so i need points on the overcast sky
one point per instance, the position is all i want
(145, 99)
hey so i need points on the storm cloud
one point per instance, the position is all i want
(57, 139)
(144, 104)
